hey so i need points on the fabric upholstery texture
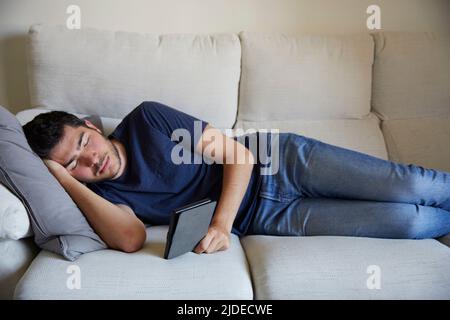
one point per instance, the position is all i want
(363, 135)
(411, 81)
(14, 221)
(305, 77)
(411, 75)
(110, 274)
(16, 256)
(341, 267)
(422, 141)
(197, 74)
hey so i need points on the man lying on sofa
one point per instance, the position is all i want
(318, 189)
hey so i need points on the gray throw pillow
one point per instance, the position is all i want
(58, 225)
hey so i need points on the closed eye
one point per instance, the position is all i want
(75, 162)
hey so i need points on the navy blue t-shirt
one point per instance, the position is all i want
(152, 184)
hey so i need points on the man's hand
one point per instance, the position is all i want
(217, 239)
(57, 170)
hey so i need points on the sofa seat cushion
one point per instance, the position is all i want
(363, 135)
(326, 267)
(421, 141)
(110, 274)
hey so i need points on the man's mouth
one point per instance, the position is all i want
(104, 165)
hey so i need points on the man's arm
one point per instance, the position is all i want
(236, 176)
(117, 225)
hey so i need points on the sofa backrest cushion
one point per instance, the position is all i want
(411, 75)
(110, 73)
(58, 225)
(422, 141)
(305, 76)
(363, 135)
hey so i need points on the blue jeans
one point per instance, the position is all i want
(322, 189)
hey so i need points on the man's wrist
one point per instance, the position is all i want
(222, 222)
(65, 179)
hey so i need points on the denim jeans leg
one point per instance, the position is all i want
(321, 189)
(335, 172)
(356, 218)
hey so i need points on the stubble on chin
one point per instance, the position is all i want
(117, 156)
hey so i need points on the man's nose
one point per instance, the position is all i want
(91, 159)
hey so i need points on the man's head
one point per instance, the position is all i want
(76, 144)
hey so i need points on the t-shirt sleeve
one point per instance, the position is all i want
(170, 121)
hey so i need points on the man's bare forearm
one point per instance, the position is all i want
(235, 182)
(118, 228)
(236, 175)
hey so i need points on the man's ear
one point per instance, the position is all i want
(92, 126)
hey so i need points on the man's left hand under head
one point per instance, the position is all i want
(57, 170)
(217, 239)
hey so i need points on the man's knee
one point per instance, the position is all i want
(419, 225)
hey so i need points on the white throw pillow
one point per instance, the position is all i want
(14, 221)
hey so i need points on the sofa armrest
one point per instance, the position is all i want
(445, 240)
(16, 256)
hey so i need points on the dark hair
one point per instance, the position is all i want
(46, 130)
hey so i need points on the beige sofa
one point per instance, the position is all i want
(385, 94)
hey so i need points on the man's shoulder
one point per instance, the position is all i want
(138, 118)
(152, 113)
(152, 106)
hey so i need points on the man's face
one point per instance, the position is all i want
(87, 154)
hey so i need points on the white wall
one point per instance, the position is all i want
(200, 16)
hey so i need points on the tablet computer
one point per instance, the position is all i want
(188, 225)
